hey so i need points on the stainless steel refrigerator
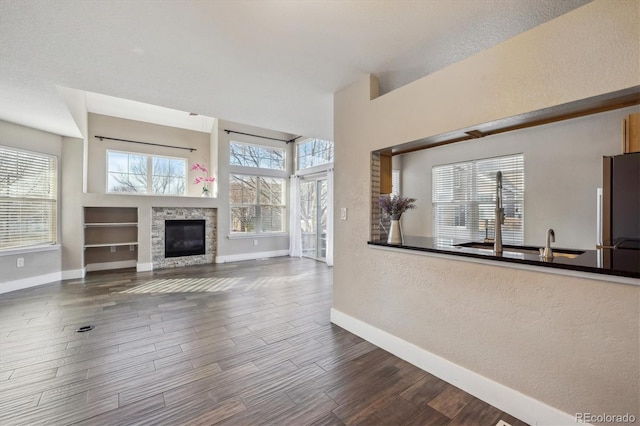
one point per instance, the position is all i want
(621, 210)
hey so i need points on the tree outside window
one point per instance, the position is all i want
(257, 200)
(137, 173)
(261, 157)
(314, 152)
(257, 204)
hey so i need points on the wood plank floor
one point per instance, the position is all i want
(243, 343)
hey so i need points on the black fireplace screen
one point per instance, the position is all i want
(184, 237)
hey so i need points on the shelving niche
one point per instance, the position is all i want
(110, 237)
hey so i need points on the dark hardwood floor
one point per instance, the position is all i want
(243, 343)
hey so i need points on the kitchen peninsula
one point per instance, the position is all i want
(589, 261)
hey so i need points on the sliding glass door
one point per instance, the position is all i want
(313, 217)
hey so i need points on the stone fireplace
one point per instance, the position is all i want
(160, 215)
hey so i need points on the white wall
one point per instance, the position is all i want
(76, 102)
(36, 264)
(563, 168)
(71, 220)
(572, 344)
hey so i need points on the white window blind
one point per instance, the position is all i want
(28, 198)
(395, 182)
(257, 204)
(464, 199)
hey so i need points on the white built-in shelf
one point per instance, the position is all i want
(109, 224)
(114, 228)
(132, 243)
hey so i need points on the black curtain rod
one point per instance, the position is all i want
(263, 137)
(145, 143)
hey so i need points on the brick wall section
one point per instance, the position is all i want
(375, 195)
(160, 214)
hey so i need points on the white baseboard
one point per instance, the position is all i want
(73, 274)
(111, 265)
(521, 406)
(30, 282)
(144, 267)
(251, 256)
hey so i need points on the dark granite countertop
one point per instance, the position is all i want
(622, 263)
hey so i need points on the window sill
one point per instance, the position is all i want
(315, 169)
(262, 235)
(142, 194)
(30, 249)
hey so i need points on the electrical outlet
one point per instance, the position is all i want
(132, 247)
(255, 242)
(343, 213)
(113, 249)
(20, 262)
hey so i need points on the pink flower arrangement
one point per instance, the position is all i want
(204, 178)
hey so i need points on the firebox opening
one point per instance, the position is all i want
(184, 237)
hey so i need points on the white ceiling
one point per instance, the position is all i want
(271, 64)
(132, 110)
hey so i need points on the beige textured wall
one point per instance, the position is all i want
(572, 343)
(589, 51)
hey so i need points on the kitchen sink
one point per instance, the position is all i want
(571, 254)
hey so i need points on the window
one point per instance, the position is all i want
(395, 182)
(28, 198)
(314, 152)
(262, 157)
(143, 174)
(257, 204)
(464, 196)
